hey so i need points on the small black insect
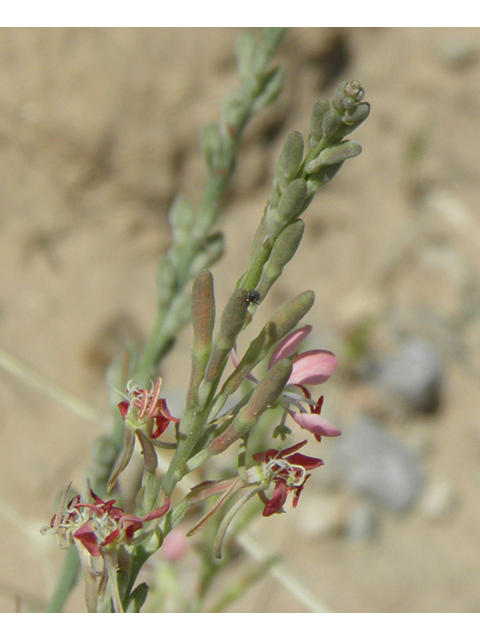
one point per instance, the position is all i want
(253, 297)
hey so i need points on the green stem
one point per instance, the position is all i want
(171, 316)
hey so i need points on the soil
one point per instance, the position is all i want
(99, 129)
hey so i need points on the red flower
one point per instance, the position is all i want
(144, 411)
(147, 409)
(108, 523)
(287, 469)
(98, 529)
(98, 524)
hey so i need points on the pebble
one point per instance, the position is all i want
(415, 374)
(439, 500)
(374, 464)
(457, 52)
(362, 523)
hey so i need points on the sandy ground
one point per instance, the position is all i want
(98, 131)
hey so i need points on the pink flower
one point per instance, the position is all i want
(287, 469)
(309, 368)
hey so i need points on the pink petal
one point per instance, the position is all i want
(289, 344)
(313, 367)
(236, 362)
(316, 424)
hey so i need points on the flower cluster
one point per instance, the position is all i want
(99, 529)
(309, 368)
(287, 470)
(98, 525)
(142, 411)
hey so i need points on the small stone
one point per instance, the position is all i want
(376, 465)
(457, 52)
(362, 523)
(415, 374)
(439, 500)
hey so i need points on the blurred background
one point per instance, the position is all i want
(99, 129)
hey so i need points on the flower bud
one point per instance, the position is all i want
(165, 279)
(347, 95)
(283, 251)
(290, 314)
(181, 217)
(335, 154)
(212, 250)
(203, 320)
(272, 87)
(245, 51)
(231, 323)
(212, 145)
(290, 160)
(291, 200)
(203, 311)
(263, 397)
(357, 115)
(330, 124)
(137, 598)
(316, 121)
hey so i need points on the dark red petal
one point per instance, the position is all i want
(111, 537)
(86, 535)
(278, 499)
(164, 409)
(298, 491)
(265, 456)
(318, 407)
(131, 528)
(73, 502)
(116, 513)
(161, 423)
(306, 462)
(96, 499)
(295, 447)
(305, 391)
(158, 512)
(123, 407)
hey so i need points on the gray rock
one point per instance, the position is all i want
(415, 374)
(362, 523)
(375, 465)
